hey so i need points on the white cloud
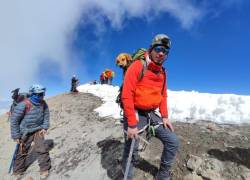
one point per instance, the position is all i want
(31, 32)
(183, 10)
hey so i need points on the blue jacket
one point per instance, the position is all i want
(35, 119)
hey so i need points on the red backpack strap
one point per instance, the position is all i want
(27, 105)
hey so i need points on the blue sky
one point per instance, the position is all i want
(45, 45)
(211, 56)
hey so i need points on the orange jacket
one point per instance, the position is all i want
(146, 94)
(108, 74)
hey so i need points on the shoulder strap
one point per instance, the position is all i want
(164, 83)
(28, 105)
(44, 104)
(144, 68)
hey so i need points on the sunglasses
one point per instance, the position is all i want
(40, 94)
(159, 49)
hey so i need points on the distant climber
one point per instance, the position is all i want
(94, 82)
(74, 83)
(102, 78)
(15, 94)
(107, 76)
(17, 98)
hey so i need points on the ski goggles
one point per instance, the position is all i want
(159, 49)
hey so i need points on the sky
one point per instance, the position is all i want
(47, 42)
(184, 106)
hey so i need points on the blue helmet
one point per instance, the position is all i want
(36, 89)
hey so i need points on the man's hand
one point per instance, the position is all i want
(167, 124)
(42, 132)
(132, 132)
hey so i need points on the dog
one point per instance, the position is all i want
(123, 60)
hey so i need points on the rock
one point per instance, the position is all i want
(245, 173)
(29, 178)
(212, 126)
(211, 164)
(194, 162)
(243, 138)
(211, 169)
(211, 175)
(192, 177)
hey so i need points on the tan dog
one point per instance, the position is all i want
(123, 60)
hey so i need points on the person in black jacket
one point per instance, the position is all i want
(74, 82)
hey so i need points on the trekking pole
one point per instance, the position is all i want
(13, 158)
(129, 159)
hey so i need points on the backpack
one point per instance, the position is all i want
(20, 97)
(136, 56)
(139, 54)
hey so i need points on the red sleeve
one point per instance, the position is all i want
(163, 105)
(128, 90)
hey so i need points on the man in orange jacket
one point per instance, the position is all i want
(141, 98)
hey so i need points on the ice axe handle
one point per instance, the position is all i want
(14, 158)
(129, 159)
(141, 138)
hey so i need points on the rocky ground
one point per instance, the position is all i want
(87, 146)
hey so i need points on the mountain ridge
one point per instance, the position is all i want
(87, 146)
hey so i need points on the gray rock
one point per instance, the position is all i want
(245, 173)
(211, 169)
(192, 177)
(194, 162)
(211, 175)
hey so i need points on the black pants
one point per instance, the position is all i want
(73, 88)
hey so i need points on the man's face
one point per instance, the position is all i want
(158, 54)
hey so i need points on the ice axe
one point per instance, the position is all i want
(129, 158)
(140, 137)
(14, 157)
(131, 152)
